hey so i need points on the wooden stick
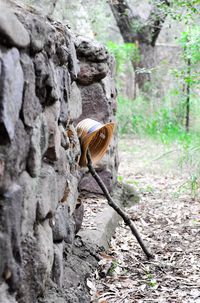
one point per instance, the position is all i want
(120, 212)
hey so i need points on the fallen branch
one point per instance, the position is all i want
(120, 212)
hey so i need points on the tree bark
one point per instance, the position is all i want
(144, 33)
(187, 118)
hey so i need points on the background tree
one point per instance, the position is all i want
(143, 33)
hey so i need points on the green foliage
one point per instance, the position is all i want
(134, 116)
(190, 42)
(120, 178)
(185, 10)
(113, 267)
(187, 74)
(123, 53)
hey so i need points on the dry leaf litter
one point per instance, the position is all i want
(167, 217)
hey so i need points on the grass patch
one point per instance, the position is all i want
(162, 124)
(136, 117)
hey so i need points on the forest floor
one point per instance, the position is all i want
(168, 219)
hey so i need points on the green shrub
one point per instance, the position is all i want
(123, 52)
(135, 116)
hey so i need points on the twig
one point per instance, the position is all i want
(124, 216)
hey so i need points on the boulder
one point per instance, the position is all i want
(63, 225)
(17, 153)
(31, 105)
(47, 193)
(47, 87)
(57, 269)
(29, 203)
(73, 62)
(91, 72)
(91, 50)
(38, 145)
(10, 246)
(12, 31)
(95, 104)
(88, 183)
(11, 83)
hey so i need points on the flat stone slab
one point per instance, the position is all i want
(100, 220)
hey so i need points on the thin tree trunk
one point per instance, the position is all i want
(187, 117)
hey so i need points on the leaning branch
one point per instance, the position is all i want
(120, 212)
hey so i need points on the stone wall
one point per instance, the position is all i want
(49, 80)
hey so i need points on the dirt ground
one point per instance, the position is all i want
(168, 219)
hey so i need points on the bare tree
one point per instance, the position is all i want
(144, 33)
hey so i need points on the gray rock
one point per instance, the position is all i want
(2, 171)
(38, 30)
(106, 224)
(12, 32)
(72, 193)
(31, 105)
(52, 114)
(10, 246)
(5, 296)
(62, 54)
(130, 195)
(65, 87)
(11, 88)
(38, 145)
(47, 192)
(44, 238)
(88, 183)
(37, 263)
(62, 169)
(108, 84)
(63, 226)
(75, 102)
(78, 216)
(37, 220)
(73, 62)
(74, 151)
(90, 49)
(98, 109)
(91, 72)
(57, 269)
(53, 150)
(47, 88)
(64, 139)
(29, 204)
(17, 153)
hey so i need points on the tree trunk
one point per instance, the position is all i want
(187, 117)
(143, 68)
(143, 33)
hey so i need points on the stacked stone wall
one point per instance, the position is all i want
(49, 80)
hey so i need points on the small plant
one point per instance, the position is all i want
(123, 53)
(113, 267)
(134, 117)
(194, 185)
(153, 283)
(120, 179)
